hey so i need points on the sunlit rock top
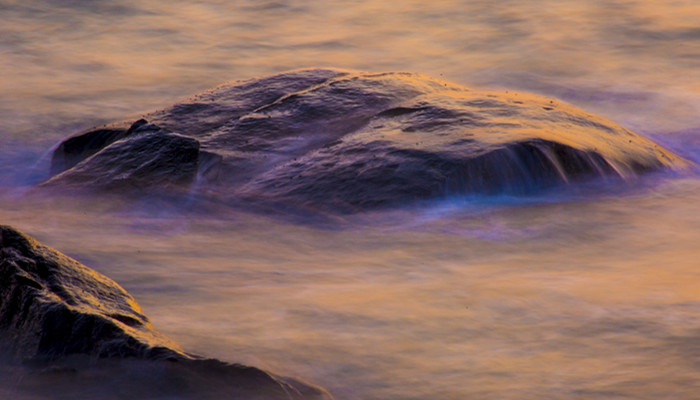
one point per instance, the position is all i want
(52, 306)
(347, 141)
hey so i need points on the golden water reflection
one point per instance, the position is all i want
(574, 299)
(635, 62)
(579, 299)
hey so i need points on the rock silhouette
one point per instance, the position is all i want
(345, 141)
(56, 312)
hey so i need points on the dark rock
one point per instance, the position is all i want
(77, 148)
(154, 158)
(54, 310)
(362, 182)
(347, 141)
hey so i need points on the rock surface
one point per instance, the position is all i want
(346, 141)
(79, 147)
(54, 311)
(152, 159)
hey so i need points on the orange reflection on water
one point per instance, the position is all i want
(573, 299)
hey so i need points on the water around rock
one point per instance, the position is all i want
(64, 318)
(345, 141)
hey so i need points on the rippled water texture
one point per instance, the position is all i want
(571, 294)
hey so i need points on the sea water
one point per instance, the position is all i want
(570, 294)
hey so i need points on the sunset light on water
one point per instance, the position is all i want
(454, 200)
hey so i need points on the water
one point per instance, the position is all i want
(570, 295)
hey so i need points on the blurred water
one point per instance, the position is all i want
(574, 297)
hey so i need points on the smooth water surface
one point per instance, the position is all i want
(568, 295)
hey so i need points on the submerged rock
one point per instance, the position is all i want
(54, 311)
(345, 141)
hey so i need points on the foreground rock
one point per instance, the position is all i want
(65, 318)
(346, 141)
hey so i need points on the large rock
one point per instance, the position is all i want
(345, 141)
(54, 311)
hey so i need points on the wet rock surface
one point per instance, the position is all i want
(69, 322)
(344, 141)
(151, 159)
(77, 148)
